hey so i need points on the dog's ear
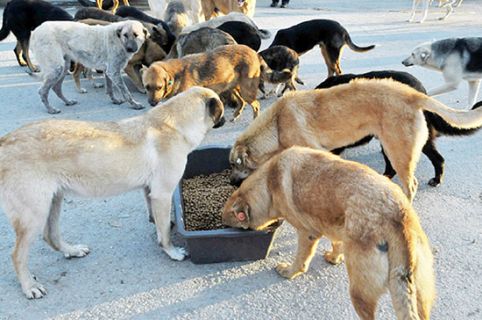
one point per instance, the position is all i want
(146, 33)
(215, 109)
(424, 55)
(119, 31)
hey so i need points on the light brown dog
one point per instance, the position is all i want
(246, 7)
(235, 68)
(342, 115)
(44, 160)
(368, 219)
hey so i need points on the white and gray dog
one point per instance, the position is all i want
(106, 48)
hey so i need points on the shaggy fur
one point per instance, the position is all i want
(436, 125)
(337, 117)
(107, 48)
(369, 221)
(42, 161)
(21, 17)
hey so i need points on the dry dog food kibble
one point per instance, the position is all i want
(204, 197)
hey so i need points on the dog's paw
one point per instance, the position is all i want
(434, 182)
(285, 271)
(76, 251)
(52, 110)
(98, 85)
(34, 291)
(136, 105)
(176, 253)
(82, 90)
(70, 102)
(332, 258)
(117, 101)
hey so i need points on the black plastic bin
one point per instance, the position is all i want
(219, 245)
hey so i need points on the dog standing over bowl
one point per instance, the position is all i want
(44, 160)
(368, 219)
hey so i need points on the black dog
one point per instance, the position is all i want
(328, 34)
(21, 17)
(243, 33)
(136, 14)
(436, 125)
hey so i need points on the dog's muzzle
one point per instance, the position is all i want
(152, 102)
(406, 63)
(235, 181)
(220, 123)
(131, 46)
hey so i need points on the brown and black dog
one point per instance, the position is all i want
(232, 68)
(329, 35)
(332, 118)
(368, 219)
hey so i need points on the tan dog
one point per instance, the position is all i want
(343, 115)
(43, 160)
(368, 219)
(246, 7)
(235, 68)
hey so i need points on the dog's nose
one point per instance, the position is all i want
(220, 123)
(235, 181)
(152, 102)
(406, 63)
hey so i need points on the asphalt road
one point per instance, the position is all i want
(128, 276)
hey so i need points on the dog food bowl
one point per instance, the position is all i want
(220, 245)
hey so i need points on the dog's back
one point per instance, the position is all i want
(94, 13)
(469, 50)
(243, 33)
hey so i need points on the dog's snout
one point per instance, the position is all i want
(220, 123)
(131, 46)
(235, 181)
(152, 102)
(406, 63)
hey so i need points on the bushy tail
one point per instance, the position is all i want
(462, 119)
(264, 34)
(273, 76)
(5, 31)
(356, 48)
(411, 279)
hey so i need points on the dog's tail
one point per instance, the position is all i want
(5, 31)
(263, 33)
(411, 280)
(356, 48)
(273, 76)
(445, 128)
(460, 119)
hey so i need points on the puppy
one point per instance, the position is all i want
(21, 17)
(199, 41)
(369, 221)
(448, 4)
(246, 7)
(329, 35)
(106, 48)
(176, 16)
(233, 16)
(436, 125)
(235, 68)
(243, 33)
(282, 58)
(457, 58)
(98, 159)
(115, 5)
(339, 116)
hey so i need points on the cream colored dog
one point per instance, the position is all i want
(246, 7)
(368, 219)
(342, 115)
(42, 161)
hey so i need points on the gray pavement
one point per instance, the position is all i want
(128, 276)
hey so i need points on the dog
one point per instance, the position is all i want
(193, 8)
(246, 7)
(150, 51)
(336, 117)
(94, 13)
(282, 58)
(176, 16)
(106, 48)
(233, 16)
(447, 4)
(21, 17)
(231, 68)
(329, 35)
(457, 59)
(198, 41)
(98, 159)
(368, 219)
(243, 33)
(114, 7)
(284, 3)
(436, 125)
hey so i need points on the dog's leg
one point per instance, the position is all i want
(335, 256)
(49, 81)
(110, 91)
(25, 43)
(426, 5)
(437, 160)
(147, 192)
(119, 83)
(57, 88)
(76, 75)
(135, 76)
(307, 244)
(449, 9)
(19, 55)
(389, 171)
(241, 104)
(414, 9)
(335, 54)
(447, 87)
(367, 277)
(329, 64)
(474, 86)
(115, 6)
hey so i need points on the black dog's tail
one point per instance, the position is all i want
(445, 128)
(5, 28)
(356, 48)
(263, 33)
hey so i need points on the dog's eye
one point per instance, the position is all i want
(135, 35)
(148, 87)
